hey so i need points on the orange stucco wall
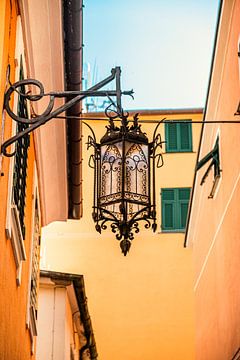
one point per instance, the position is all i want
(214, 226)
(14, 336)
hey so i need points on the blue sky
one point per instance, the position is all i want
(164, 48)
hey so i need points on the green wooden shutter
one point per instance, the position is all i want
(171, 137)
(168, 209)
(174, 208)
(183, 215)
(168, 218)
(178, 137)
(183, 200)
(185, 134)
(21, 157)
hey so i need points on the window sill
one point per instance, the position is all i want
(32, 327)
(181, 152)
(171, 231)
(17, 242)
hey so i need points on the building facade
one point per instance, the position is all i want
(20, 210)
(32, 46)
(141, 305)
(213, 224)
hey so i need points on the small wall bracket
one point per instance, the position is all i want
(213, 157)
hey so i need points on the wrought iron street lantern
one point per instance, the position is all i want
(124, 181)
(124, 160)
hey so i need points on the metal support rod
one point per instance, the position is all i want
(150, 121)
(66, 94)
(206, 158)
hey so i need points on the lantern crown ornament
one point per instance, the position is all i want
(124, 177)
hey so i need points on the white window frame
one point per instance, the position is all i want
(236, 355)
(4, 115)
(13, 229)
(31, 321)
(217, 181)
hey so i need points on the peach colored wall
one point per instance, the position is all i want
(56, 330)
(43, 40)
(141, 305)
(214, 226)
(51, 340)
(14, 336)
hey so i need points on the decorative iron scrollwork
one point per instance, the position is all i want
(27, 95)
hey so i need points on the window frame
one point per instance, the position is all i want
(236, 356)
(178, 124)
(21, 158)
(13, 228)
(31, 318)
(176, 202)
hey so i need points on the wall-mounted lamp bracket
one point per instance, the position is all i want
(212, 156)
(51, 112)
(124, 161)
(238, 110)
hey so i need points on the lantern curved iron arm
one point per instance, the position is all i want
(103, 219)
(157, 162)
(94, 141)
(156, 145)
(50, 113)
(91, 142)
(133, 219)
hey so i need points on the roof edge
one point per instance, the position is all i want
(198, 110)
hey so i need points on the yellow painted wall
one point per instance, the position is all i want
(14, 336)
(141, 305)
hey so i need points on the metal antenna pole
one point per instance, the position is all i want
(118, 89)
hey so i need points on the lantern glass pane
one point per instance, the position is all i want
(136, 169)
(111, 177)
(136, 186)
(135, 194)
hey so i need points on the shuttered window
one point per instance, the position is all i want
(35, 268)
(174, 208)
(178, 137)
(34, 271)
(21, 156)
